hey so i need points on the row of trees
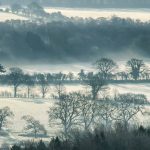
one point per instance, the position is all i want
(135, 69)
(106, 71)
(34, 12)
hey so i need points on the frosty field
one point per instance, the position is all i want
(141, 14)
(8, 16)
(38, 107)
(135, 14)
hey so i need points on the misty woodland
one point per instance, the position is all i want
(72, 78)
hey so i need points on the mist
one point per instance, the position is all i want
(74, 41)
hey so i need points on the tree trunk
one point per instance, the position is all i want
(1, 126)
(43, 94)
(15, 91)
(65, 132)
(28, 92)
(35, 134)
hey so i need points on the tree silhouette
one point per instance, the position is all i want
(136, 67)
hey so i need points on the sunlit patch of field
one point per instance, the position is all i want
(8, 16)
(141, 14)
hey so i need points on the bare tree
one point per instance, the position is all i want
(70, 76)
(145, 73)
(34, 126)
(136, 67)
(96, 83)
(43, 82)
(60, 77)
(105, 67)
(128, 106)
(66, 111)
(29, 81)
(124, 75)
(5, 113)
(81, 75)
(59, 88)
(15, 78)
(88, 111)
(105, 109)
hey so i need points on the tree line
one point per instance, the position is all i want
(63, 41)
(106, 72)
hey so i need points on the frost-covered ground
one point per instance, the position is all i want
(141, 14)
(8, 16)
(38, 108)
(22, 107)
(120, 88)
(136, 14)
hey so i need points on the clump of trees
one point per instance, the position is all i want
(105, 67)
(47, 39)
(78, 110)
(107, 72)
(33, 126)
(5, 114)
(33, 9)
(136, 67)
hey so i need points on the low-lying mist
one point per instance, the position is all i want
(73, 41)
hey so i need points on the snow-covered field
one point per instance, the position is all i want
(8, 16)
(141, 14)
(138, 88)
(136, 14)
(21, 107)
(38, 107)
